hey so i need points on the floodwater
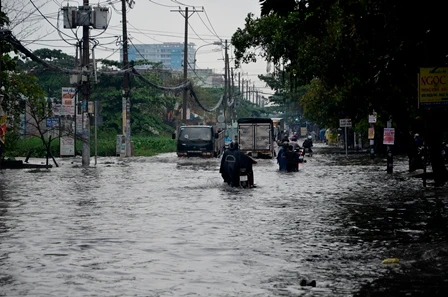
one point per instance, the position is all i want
(164, 226)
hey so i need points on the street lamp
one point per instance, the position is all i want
(213, 43)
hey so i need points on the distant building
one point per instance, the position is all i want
(206, 78)
(171, 54)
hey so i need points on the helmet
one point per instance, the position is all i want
(309, 137)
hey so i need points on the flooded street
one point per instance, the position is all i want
(164, 226)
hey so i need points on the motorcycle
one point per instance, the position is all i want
(245, 180)
(301, 152)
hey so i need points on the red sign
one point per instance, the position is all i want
(3, 129)
(389, 136)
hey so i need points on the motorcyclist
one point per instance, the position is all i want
(281, 157)
(285, 138)
(308, 144)
(292, 159)
(231, 162)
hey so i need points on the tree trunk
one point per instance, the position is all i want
(435, 132)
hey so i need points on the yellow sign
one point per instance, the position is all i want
(371, 133)
(303, 131)
(433, 86)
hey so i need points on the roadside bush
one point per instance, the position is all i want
(143, 146)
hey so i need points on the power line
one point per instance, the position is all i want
(213, 33)
(169, 33)
(175, 1)
(206, 15)
(143, 33)
(140, 31)
(49, 21)
(191, 27)
(162, 4)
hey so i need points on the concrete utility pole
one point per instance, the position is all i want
(186, 15)
(85, 93)
(126, 103)
(226, 79)
(242, 89)
(239, 82)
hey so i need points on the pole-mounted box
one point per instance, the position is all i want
(84, 15)
(69, 16)
(100, 17)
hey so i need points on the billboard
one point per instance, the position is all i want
(433, 87)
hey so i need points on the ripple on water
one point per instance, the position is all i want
(164, 226)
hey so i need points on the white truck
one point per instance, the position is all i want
(256, 137)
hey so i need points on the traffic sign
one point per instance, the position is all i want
(345, 123)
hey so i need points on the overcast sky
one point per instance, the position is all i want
(149, 21)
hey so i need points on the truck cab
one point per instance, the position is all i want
(199, 141)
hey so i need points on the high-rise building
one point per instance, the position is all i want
(171, 54)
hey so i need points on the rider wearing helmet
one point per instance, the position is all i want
(232, 161)
(308, 144)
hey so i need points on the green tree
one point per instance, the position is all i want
(365, 54)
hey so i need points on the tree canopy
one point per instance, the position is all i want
(365, 54)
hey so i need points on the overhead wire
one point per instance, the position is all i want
(143, 33)
(59, 31)
(10, 38)
(206, 15)
(208, 27)
(116, 50)
(136, 49)
(7, 36)
(159, 32)
(191, 27)
(162, 4)
(175, 1)
(50, 22)
(195, 73)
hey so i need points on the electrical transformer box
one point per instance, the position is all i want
(100, 17)
(69, 16)
(84, 15)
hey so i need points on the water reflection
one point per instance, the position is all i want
(167, 226)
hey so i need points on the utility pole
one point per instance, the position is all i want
(85, 93)
(239, 82)
(125, 100)
(232, 87)
(254, 97)
(186, 15)
(226, 79)
(242, 89)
